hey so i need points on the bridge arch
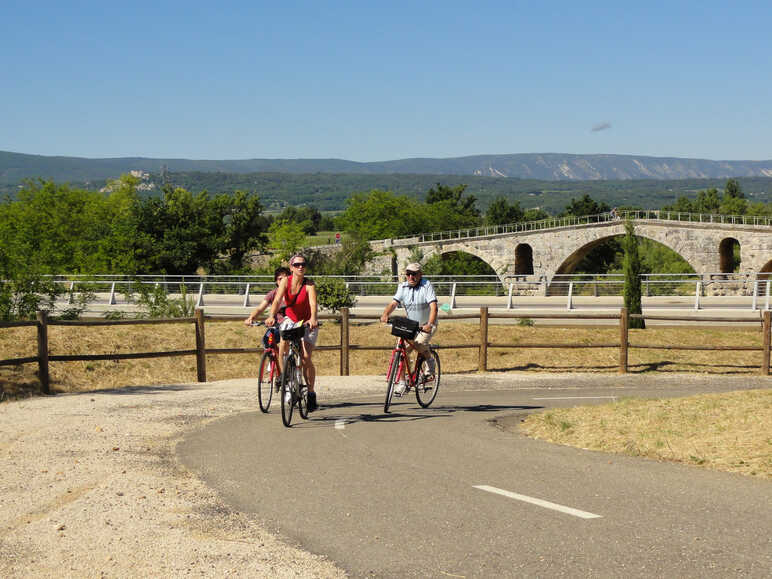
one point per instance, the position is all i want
(462, 250)
(523, 259)
(726, 254)
(569, 263)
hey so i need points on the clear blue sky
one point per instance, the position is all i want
(386, 80)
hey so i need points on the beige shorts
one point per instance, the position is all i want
(423, 338)
(310, 336)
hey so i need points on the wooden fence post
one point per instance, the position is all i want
(43, 375)
(483, 339)
(344, 342)
(623, 340)
(766, 330)
(200, 346)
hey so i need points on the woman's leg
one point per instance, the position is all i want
(309, 370)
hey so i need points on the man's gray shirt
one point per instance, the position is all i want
(416, 299)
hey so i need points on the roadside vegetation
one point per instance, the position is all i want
(729, 431)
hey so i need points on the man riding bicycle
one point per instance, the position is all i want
(417, 296)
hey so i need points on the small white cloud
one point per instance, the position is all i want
(601, 126)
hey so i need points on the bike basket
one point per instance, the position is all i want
(293, 333)
(403, 327)
(271, 337)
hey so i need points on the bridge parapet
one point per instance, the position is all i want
(572, 221)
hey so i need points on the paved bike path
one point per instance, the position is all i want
(397, 494)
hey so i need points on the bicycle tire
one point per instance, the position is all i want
(392, 380)
(288, 391)
(426, 392)
(266, 380)
(303, 401)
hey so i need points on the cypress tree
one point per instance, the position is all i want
(632, 270)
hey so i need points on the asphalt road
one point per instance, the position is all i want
(454, 491)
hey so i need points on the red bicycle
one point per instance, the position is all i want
(400, 379)
(269, 377)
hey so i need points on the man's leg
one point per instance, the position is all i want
(421, 343)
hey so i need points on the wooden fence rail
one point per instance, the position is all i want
(44, 357)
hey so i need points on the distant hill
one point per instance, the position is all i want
(15, 167)
(327, 184)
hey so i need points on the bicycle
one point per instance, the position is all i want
(293, 391)
(268, 377)
(399, 366)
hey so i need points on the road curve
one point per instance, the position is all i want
(454, 491)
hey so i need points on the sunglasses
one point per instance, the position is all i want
(411, 273)
(299, 264)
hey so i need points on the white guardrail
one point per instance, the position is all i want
(701, 290)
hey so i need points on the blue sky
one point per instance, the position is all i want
(373, 81)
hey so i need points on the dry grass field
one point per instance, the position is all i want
(726, 431)
(80, 376)
(729, 431)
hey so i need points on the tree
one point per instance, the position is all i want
(586, 205)
(245, 225)
(308, 217)
(732, 189)
(354, 252)
(682, 205)
(287, 239)
(382, 215)
(707, 201)
(181, 232)
(450, 209)
(56, 229)
(632, 271)
(535, 214)
(500, 212)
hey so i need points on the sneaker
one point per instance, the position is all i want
(428, 377)
(288, 396)
(312, 405)
(400, 387)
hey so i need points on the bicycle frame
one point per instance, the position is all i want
(403, 348)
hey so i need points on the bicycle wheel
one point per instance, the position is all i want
(426, 392)
(392, 380)
(288, 391)
(303, 401)
(266, 380)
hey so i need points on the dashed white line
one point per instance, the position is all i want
(539, 502)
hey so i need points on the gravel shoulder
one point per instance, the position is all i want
(90, 485)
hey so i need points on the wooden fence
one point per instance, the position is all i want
(44, 357)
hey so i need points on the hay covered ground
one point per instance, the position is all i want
(96, 375)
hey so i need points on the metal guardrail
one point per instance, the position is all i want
(245, 289)
(571, 221)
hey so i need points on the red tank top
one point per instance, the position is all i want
(298, 306)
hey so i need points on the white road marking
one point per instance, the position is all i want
(573, 397)
(539, 502)
(340, 424)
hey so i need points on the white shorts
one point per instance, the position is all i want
(310, 335)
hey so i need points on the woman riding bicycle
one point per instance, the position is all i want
(417, 296)
(299, 295)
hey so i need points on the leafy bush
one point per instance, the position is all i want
(332, 294)
(156, 303)
(22, 295)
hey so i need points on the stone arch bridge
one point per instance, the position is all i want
(540, 250)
